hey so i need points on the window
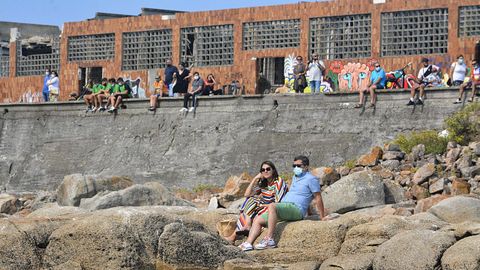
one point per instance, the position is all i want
(91, 47)
(273, 34)
(146, 50)
(4, 63)
(415, 32)
(207, 45)
(469, 21)
(35, 60)
(341, 37)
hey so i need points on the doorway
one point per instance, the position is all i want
(270, 74)
(86, 74)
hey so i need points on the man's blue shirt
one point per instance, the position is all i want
(301, 191)
(379, 74)
(45, 85)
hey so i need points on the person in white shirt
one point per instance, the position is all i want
(474, 83)
(426, 76)
(315, 71)
(458, 71)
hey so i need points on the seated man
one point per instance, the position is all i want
(121, 91)
(293, 207)
(196, 90)
(378, 79)
(473, 83)
(89, 97)
(426, 75)
(101, 94)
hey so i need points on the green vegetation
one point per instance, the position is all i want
(200, 188)
(350, 163)
(433, 143)
(464, 126)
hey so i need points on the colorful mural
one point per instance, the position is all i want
(353, 77)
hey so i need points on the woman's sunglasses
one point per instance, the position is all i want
(265, 169)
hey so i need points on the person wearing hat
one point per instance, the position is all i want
(159, 91)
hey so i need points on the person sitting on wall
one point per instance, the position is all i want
(96, 91)
(304, 188)
(196, 90)
(378, 79)
(299, 71)
(265, 188)
(209, 89)
(474, 83)
(89, 97)
(458, 71)
(121, 91)
(103, 94)
(426, 76)
(159, 91)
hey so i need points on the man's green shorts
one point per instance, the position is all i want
(286, 212)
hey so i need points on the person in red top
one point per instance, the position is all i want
(474, 83)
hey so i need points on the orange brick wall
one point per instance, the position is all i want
(244, 68)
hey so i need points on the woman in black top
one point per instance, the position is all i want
(183, 79)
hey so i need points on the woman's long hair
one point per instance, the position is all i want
(274, 169)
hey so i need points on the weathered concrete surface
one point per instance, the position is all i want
(39, 144)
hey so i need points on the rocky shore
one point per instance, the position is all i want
(388, 210)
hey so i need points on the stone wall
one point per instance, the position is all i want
(39, 144)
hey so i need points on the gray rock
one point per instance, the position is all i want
(391, 164)
(475, 146)
(465, 254)
(76, 186)
(457, 209)
(53, 210)
(424, 173)
(452, 155)
(413, 250)
(470, 171)
(178, 245)
(394, 193)
(355, 191)
(362, 261)
(151, 193)
(235, 205)
(418, 152)
(451, 145)
(437, 185)
(9, 204)
(393, 155)
(463, 162)
(392, 147)
(213, 204)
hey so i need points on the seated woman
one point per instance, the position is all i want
(267, 187)
(210, 83)
(159, 91)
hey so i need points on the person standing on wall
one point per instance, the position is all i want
(299, 71)
(54, 86)
(183, 79)
(45, 90)
(170, 69)
(458, 71)
(315, 68)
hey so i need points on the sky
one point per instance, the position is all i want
(56, 12)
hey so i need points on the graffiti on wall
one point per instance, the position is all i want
(30, 97)
(290, 62)
(353, 77)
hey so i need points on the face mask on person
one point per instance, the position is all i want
(377, 69)
(461, 61)
(47, 73)
(196, 77)
(297, 171)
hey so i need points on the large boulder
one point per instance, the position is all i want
(151, 193)
(77, 186)
(413, 250)
(305, 240)
(424, 204)
(355, 191)
(372, 158)
(457, 209)
(327, 175)
(235, 186)
(362, 261)
(465, 254)
(9, 204)
(182, 247)
(123, 237)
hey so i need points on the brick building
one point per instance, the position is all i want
(239, 44)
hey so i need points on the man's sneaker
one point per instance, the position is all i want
(411, 103)
(245, 246)
(184, 110)
(111, 109)
(458, 101)
(151, 108)
(266, 243)
(89, 109)
(419, 102)
(191, 109)
(102, 109)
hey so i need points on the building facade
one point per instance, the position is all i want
(242, 44)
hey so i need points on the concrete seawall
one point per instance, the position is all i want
(39, 144)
